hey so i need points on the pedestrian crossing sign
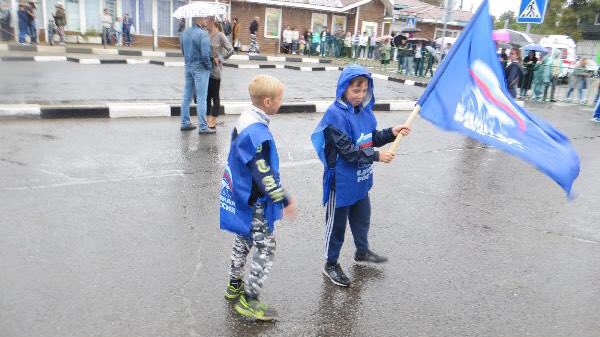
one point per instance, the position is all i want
(532, 11)
(411, 22)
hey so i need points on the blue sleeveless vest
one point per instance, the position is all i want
(236, 185)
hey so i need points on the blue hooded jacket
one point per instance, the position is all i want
(352, 181)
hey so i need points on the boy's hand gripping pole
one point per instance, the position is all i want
(409, 121)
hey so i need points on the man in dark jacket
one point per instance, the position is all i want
(227, 28)
(253, 43)
(31, 22)
(127, 23)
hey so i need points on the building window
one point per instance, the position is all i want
(317, 22)
(369, 27)
(339, 23)
(111, 5)
(93, 21)
(145, 24)
(272, 23)
(597, 21)
(449, 33)
(72, 9)
(164, 17)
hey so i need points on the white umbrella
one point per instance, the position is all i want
(442, 41)
(201, 9)
(433, 52)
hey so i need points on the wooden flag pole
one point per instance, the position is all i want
(409, 121)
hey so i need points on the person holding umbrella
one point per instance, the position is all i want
(197, 51)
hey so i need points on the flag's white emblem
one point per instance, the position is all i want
(485, 109)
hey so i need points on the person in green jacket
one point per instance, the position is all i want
(547, 76)
(428, 60)
(386, 53)
(538, 78)
(315, 42)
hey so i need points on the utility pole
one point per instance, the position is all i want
(448, 4)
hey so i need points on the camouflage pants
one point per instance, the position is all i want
(253, 45)
(262, 260)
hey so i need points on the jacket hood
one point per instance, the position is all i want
(348, 74)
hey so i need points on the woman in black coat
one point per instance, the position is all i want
(513, 72)
(528, 65)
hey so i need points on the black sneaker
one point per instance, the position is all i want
(336, 275)
(369, 256)
(188, 127)
(207, 131)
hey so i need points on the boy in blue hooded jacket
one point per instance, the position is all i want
(252, 197)
(345, 139)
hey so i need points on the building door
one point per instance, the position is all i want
(386, 28)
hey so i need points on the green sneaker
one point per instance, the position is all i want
(255, 309)
(232, 292)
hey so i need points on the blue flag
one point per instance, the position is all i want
(468, 95)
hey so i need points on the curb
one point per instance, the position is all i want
(161, 109)
(149, 53)
(278, 58)
(88, 50)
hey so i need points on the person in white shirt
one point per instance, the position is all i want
(362, 45)
(287, 40)
(419, 60)
(107, 25)
(118, 30)
(295, 38)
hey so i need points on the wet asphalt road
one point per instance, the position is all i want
(66, 82)
(110, 228)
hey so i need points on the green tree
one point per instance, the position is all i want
(512, 21)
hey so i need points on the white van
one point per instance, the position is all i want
(567, 48)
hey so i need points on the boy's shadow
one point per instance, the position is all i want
(339, 308)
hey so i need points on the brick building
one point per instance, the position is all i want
(429, 18)
(348, 15)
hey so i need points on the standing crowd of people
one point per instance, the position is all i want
(119, 31)
(413, 56)
(541, 72)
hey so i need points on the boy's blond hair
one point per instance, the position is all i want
(264, 86)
